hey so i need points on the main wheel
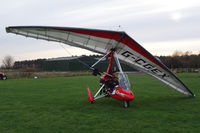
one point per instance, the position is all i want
(4, 77)
(126, 104)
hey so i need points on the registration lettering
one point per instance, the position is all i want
(144, 64)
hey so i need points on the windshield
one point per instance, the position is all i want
(123, 81)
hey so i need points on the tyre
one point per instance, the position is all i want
(4, 77)
(126, 104)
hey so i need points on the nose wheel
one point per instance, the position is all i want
(126, 104)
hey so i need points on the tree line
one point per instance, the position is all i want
(181, 60)
(75, 63)
(82, 63)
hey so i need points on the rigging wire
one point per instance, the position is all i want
(95, 71)
(88, 66)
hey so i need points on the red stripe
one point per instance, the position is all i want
(135, 46)
(117, 36)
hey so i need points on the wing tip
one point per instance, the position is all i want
(8, 30)
(191, 95)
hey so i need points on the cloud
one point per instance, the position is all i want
(168, 47)
(147, 21)
(176, 16)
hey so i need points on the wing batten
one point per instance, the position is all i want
(101, 41)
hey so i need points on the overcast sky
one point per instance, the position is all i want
(160, 26)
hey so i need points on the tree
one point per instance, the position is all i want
(8, 62)
(177, 53)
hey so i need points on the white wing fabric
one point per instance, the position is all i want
(101, 41)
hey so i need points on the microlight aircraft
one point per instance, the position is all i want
(115, 45)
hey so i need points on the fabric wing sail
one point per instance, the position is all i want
(102, 41)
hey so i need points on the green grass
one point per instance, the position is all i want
(59, 105)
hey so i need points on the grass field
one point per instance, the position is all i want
(59, 105)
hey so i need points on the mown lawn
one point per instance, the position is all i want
(59, 105)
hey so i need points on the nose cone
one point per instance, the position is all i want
(130, 96)
(123, 94)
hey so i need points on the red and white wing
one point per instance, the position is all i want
(101, 41)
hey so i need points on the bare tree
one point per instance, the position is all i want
(177, 53)
(8, 62)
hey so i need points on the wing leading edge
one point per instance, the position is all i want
(101, 41)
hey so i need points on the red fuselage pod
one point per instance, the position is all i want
(122, 94)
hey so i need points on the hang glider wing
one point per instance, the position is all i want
(101, 41)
